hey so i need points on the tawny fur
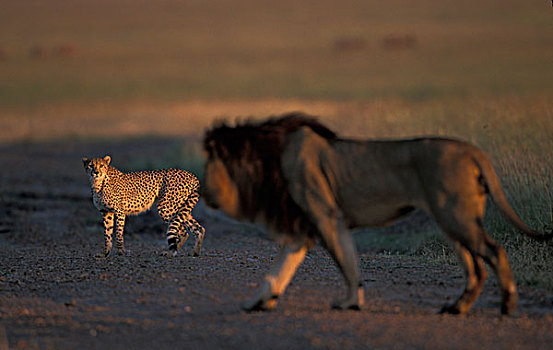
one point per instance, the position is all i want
(304, 182)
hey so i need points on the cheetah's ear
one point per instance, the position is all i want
(86, 161)
(107, 159)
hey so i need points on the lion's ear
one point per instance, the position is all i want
(222, 151)
(86, 161)
(210, 148)
(211, 144)
(107, 159)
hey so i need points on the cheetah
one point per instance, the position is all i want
(118, 194)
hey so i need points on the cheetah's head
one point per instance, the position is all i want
(96, 168)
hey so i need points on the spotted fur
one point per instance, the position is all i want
(117, 194)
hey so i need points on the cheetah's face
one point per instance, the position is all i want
(96, 168)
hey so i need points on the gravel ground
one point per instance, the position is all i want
(55, 294)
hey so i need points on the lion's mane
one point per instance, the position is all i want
(251, 152)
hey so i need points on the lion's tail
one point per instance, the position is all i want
(498, 197)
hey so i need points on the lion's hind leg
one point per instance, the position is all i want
(473, 245)
(496, 257)
(475, 275)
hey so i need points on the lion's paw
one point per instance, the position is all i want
(256, 304)
(450, 309)
(345, 305)
(354, 302)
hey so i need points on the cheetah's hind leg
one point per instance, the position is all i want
(191, 225)
(194, 227)
(176, 235)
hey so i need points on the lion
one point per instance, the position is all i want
(305, 183)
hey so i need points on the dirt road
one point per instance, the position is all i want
(55, 294)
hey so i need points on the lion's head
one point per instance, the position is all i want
(243, 175)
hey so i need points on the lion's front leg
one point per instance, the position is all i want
(314, 190)
(341, 247)
(291, 256)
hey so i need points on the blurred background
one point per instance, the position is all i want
(90, 61)
(81, 51)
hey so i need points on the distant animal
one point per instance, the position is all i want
(118, 194)
(349, 44)
(399, 42)
(64, 50)
(304, 182)
(38, 52)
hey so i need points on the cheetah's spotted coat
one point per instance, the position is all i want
(117, 194)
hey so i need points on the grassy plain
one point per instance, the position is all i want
(477, 70)
(173, 50)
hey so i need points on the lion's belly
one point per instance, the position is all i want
(377, 203)
(370, 194)
(372, 214)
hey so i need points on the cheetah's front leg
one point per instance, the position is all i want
(120, 228)
(108, 231)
